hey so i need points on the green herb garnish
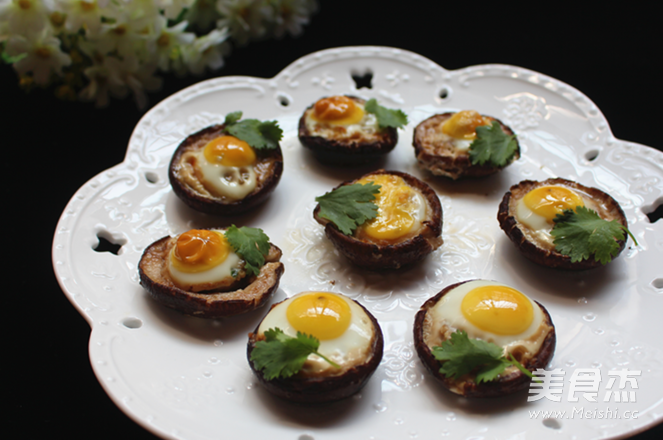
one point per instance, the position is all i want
(258, 134)
(252, 244)
(386, 117)
(349, 205)
(280, 355)
(492, 146)
(461, 355)
(582, 233)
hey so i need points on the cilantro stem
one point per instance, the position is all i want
(630, 235)
(333, 364)
(524, 370)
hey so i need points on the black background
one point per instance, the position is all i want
(54, 147)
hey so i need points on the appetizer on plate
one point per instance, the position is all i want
(315, 347)
(464, 144)
(563, 224)
(230, 168)
(346, 130)
(383, 220)
(481, 338)
(211, 273)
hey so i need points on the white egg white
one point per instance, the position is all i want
(538, 225)
(366, 127)
(417, 209)
(234, 183)
(351, 348)
(460, 145)
(213, 275)
(448, 312)
(418, 212)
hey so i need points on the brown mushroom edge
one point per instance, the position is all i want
(254, 293)
(325, 389)
(386, 257)
(271, 160)
(534, 252)
(346, 152)
(510, 383)
(451, 164)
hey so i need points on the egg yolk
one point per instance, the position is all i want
(229, 151)
(319, 314)
(498, 309)
(337, 110)
(396, 203)
(199, 249)
(548, 201)
(463, 125)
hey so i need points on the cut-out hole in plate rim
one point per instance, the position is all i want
(106, 245)
(654, 212)
(132, 323)
(363, 80)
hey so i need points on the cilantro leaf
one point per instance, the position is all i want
(582, 233)
(349, 205)
(258, 134)
(386, 117)
(492, 146)
(461, 355)
(252, 244)
(280, 355)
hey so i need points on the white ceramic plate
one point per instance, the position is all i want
(188, 378)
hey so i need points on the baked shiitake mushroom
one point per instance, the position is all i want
(340, 131)
(348, 334)
(481, 311)
(217, 173)
(527, 216)
(199, 274)
(408, 225)
(442, 145)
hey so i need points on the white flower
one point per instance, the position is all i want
(118, 77)
(25, 16)
(84, 14)
(207, 51)
(42, 55)
(173, 8)
(166, 48)
(133, 26)
(292, 15)
(202, 15)
(243, 18)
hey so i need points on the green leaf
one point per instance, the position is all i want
(461, 355)
(349, 205)
(252, 244)
(386, 117)
(258, 134)
(490, 370)
(9, 59)
(233, 117)
(492, 146)
(582, 233)
(280, 355)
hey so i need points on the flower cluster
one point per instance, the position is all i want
(93, 49)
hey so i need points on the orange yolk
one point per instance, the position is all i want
(337, 110)
(229, 151)
(199, 249)
(463, 125)
(396, 205)
(320, 314)
(498, 309)
(548, 201)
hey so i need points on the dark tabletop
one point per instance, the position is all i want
(612, 56)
